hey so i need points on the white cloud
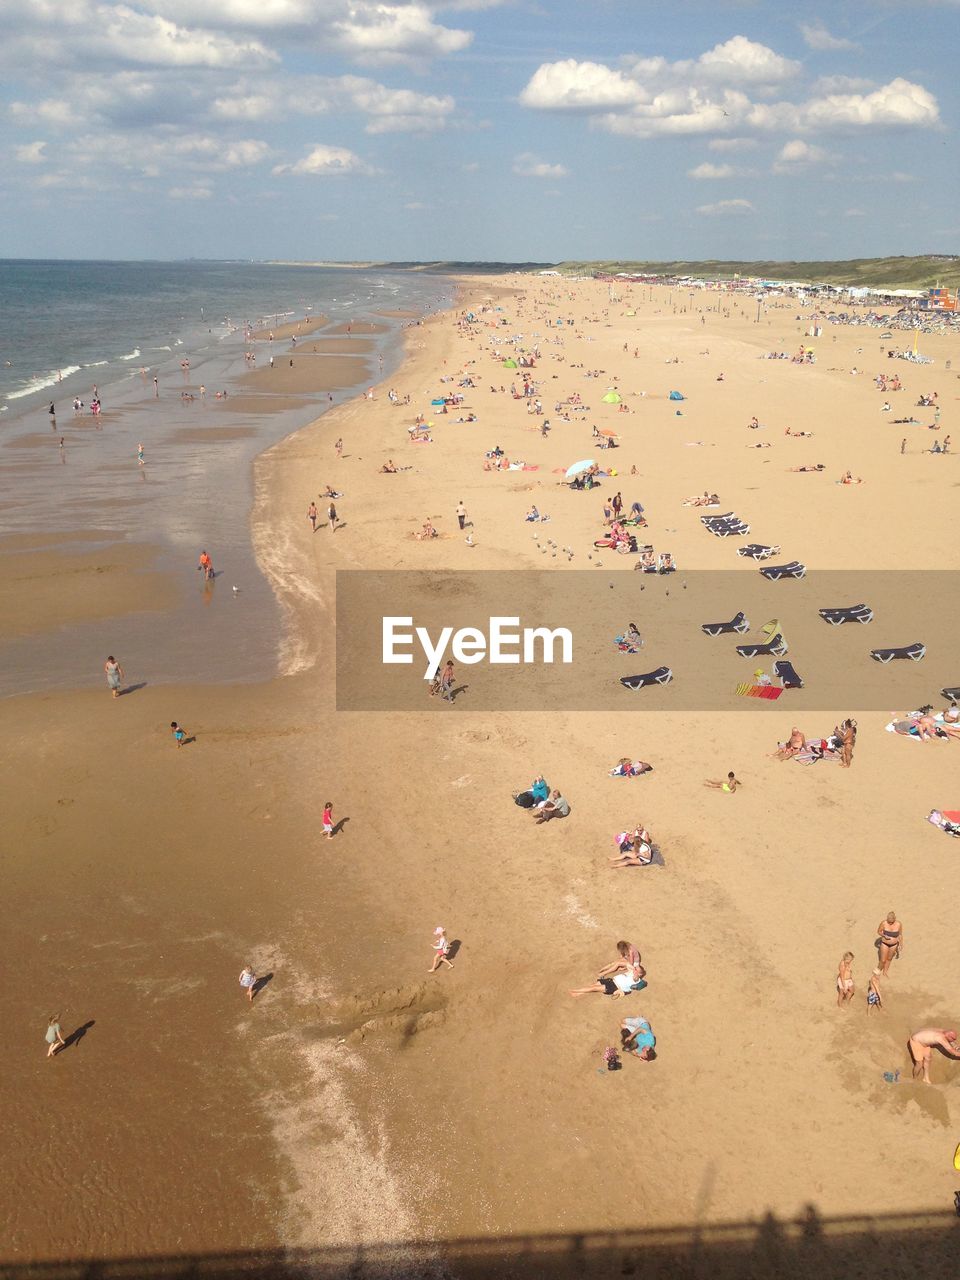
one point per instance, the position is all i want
(472, 166)
(31, 153)
(325, 161)
(723, 207)
(528, 165)
(152, 154)
(736, 86)
(797, 155)
(190, 193)
(249, 151)
(897, 104)
(578, 86)
(71, 35)
(708, 171)
(743, 61)
(854, 213)
(732, 144)
(816, 36)
(388, 110)
(382, 33)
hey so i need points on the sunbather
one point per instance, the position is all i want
(428, 531)
(849, 478)
(635, 848)
(792, 747)
(627, 768)
(819, 467)
(615, 980)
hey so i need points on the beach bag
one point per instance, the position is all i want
(525, 800)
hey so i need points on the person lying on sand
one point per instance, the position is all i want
(702, 500)
(819, 467)
(627, 768)
(636, 1037)
(615, 980)
(792, 747)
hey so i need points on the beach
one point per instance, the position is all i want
(360, 1101)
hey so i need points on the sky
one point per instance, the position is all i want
(506, 130)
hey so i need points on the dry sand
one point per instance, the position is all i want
(359, 1100)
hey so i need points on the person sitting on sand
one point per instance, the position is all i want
(921, 1045)
(330, 492)
(555, 807)
(632, 636)
(627, 768)
(848, 478)
(389, 468)
(533, 515)
(637, 1038)
(540, 790)
(648, 559)
(792, 747)
(636, 848)
(428, 531)
(951, 714)
(819, 467)
(753, 424)
(729, 786)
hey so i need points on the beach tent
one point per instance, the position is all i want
(509, 364)
(578, 467)
(677, 395)
(612, 397)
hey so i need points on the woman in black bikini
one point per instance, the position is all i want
(890, 933)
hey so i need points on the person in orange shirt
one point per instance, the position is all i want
(206, 564)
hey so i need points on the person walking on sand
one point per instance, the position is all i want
(206, 564)
(141, 460)
(903, 446)
(248, 982)
(312, 515)
(114, 673)
(845, 987)
(889, 943)
(327, 819)
(446, 681)
(332, 517)
(339, 447)
(729, 786)
(55, 1040)
(921, 1045)
(461, 513)
(179, 733)
(440, 948)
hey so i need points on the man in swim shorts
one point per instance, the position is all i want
(921, 1045)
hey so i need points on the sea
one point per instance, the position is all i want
(72, 326)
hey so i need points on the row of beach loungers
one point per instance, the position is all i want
(730, 525)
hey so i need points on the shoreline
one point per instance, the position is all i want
(481, 1109)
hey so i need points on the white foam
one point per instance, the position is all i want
(43, 380)
(134, 354)
(95, 364)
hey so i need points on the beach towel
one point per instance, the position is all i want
(768, 691)
(625, 646)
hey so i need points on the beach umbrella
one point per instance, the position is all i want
(612, 397)
(578, 467)
(509, 364)
(611, 435)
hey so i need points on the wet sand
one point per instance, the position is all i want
(359, 1100)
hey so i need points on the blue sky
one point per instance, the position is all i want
(478, 129)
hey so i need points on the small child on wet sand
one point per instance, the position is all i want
(845, 987)
(729, 786)
(179, 733)
(327, 819)
(248, 981)
(873, 994)
(441, 946)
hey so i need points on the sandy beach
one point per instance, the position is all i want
(360, 1101)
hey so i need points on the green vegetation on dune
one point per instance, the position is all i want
(892, 273)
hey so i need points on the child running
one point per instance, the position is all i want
(441, 946)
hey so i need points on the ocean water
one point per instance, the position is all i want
(72, 325)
